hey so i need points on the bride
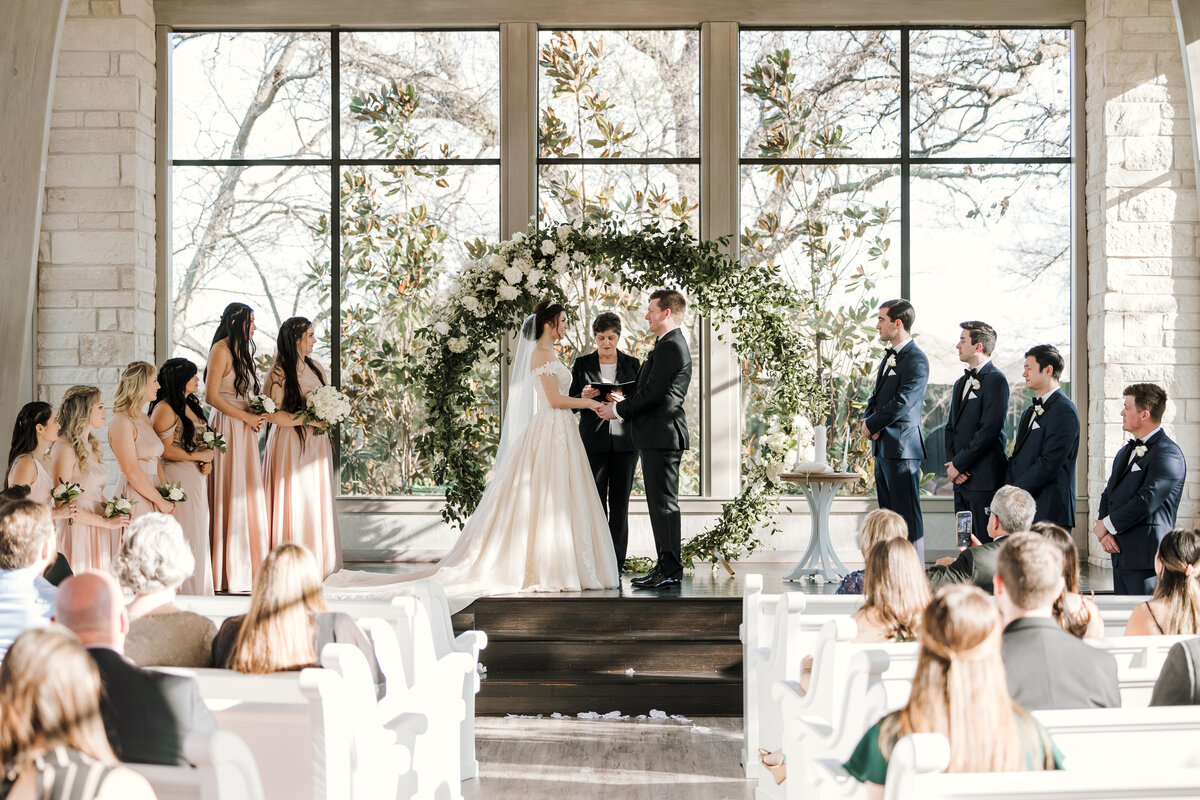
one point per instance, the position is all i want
(539, 526)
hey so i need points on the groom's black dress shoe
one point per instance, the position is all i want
(649, 577)
(662, 582)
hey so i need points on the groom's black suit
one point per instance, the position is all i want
(660, 433)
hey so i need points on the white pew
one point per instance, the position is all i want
(224, 769)
(1153, 739)
(1137, 651)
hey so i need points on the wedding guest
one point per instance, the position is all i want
(147, 714)
(1011, 511)
(155, 559)
(1075, 614)
(59, 570)
(1175, 607)
(880, 524)
(977, 461)
(1179, 682)
(298, 467)
(1043, 458)
(288, 622)
(52, 741)
(959, 691)
(89, 541)
(1141, 501)
(237, 501)
(609, 443)
(135, 444)
(179, 420)
(1047, 667)
(26, 548)
(893, 420)
(34, 433)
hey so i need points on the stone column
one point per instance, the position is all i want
(1143, 271)
(96, 271)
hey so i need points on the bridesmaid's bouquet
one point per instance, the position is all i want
(118, 505)
(173, 492)
(324, 408)
(64, 493)
(263, 405)
(211, 440)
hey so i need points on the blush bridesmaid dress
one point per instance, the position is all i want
(149, 449)
(192, 515)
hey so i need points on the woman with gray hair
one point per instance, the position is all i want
(153, 562)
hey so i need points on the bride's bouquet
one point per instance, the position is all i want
(173, 492)
(118, 506)
(324, 408)
(64, 493)
(263, 405)
(211, 440)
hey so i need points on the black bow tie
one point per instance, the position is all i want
(971, 373)
(1136, 442)
(1037, 401)
(891, 351)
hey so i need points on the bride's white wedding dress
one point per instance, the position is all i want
(539, 526)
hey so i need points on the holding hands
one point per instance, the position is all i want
(1106, 539)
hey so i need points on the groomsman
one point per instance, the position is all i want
(1043, 459)
(1139, 505)
(978, 461)
(893, 420)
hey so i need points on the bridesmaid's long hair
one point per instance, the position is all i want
(235, 329)
(287, 356)
(73, 415)
(173, 379)
(131, 389)
(277, 632)
(24, 438)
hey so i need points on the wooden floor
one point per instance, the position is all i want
(578, 759)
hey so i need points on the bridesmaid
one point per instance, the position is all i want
(298, 469)
(134, 442)
(178, 419)
(91, 541)
(236, 500)
(29, 464)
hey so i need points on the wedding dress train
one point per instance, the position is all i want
(539, 526)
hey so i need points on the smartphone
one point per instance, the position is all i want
(962, 521)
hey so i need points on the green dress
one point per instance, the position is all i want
(868, 765)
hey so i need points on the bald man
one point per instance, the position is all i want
(147, 714)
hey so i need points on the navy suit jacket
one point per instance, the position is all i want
(894, 410)
(1043, 459)
(655, 410)
(602, 435)
(975, 431)
(1143, 499)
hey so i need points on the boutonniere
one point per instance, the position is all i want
(891, 362)
(975, 383)
(1039, 410)
(1139, 451)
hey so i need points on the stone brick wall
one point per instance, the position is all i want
(1143, 271)
(96, 268)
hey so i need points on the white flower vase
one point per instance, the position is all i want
(819, 462)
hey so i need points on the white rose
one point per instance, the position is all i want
(524, 263)
(176, 495)
(561, 263)
(513, 275)
(441, 328)
(563, 232)
(458, 345)
(471, 304)
(508, 292)
(548, 247)
(496, 262)
(518, 237)
(535, 277)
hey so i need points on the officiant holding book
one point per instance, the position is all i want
(609, 443)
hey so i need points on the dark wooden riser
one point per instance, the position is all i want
(571, 654)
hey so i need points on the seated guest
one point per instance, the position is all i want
(153, 562)
(59, 570)
(958, 691)
(1047, 667)
(52, 744)
(27, 547)
(1012, 511)
(147, 714)
(1075, 614)
(1179, 682)
(288, 622)
(1175, 607)
(880, 524)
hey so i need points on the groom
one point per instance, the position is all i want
(660, 431)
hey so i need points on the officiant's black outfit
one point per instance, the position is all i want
(609, 445)
(655, 414)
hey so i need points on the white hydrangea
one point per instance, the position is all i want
(535, 277)
(458, 345)
(561, 263)
(563, 232)
(513, 275)
(470, 303)
(441, 328)
(548, 247)
(495, 262)
(578, 256)
(508, 292)
(524, 263)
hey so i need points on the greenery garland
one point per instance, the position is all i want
(751, 304)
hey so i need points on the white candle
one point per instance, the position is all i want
(819, 444)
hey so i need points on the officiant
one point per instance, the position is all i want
(609, 444)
